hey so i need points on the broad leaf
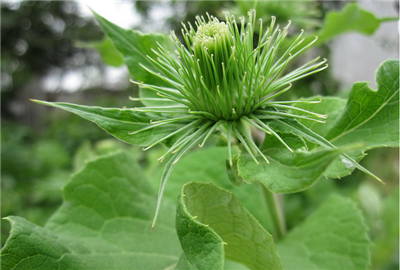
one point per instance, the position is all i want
(119, 122)
(287, 172)
(333, 237)
(370, 118)
(212, 223)
(104, 223)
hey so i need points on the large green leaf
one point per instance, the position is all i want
(287, 172)
(105, 223)
(333, 237)
(370, 118)
(119, 122)
(212, 223)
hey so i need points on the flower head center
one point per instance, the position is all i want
(208, 34)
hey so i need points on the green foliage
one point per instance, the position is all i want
(134, 48)
(351, 19)
(104, 224)
(287, 172)
(370, 117)
(344, 246)
(211, 220)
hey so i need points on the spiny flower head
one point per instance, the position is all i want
(221, 81)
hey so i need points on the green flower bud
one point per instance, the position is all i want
(225, 80)
(212, 48)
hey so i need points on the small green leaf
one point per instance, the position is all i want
(104, 223)
(350, 19)
(134, 48)
(109, 54)
(287, 172)
(211, 222)
(333, 237)
(119, 122)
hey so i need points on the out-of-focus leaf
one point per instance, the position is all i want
(333, 237)
(351, 19)
(51, 154)
(386, 244)
(104, 223)
(212, 224)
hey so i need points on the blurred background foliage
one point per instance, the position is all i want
(51, 50)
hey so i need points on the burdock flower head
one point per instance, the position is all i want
(225, 79)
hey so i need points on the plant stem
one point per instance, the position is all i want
(276, 212)
(274, 205)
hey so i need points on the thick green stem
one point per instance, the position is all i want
(276, 212)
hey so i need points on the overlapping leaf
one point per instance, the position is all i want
(211, 222)
(287, 172)
(208, 165)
